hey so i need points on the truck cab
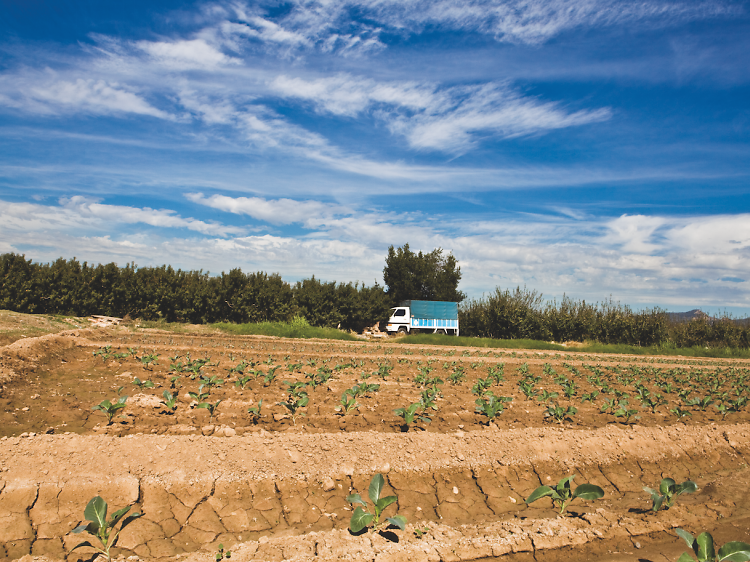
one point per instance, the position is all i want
(400, 321)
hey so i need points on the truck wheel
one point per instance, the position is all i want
(402, 330)
(441, 332)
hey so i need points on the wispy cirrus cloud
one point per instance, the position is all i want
(84, 214)
(512, 21)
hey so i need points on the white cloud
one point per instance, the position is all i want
(186, 54)
(513, 21)
(45, 93)
(273, 211)
(83, 215)
(637, 259)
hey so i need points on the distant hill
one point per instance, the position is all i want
(696, 314)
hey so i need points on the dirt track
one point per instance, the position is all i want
(276, 490)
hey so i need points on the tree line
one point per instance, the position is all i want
(522, 313)
(69, 287)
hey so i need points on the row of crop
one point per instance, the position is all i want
(105, 531)
(724, 389)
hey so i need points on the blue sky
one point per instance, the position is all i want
(580, 147)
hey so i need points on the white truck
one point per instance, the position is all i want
(435, 317)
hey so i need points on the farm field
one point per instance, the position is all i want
(208, 463)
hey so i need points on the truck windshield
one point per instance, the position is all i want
(400, 312)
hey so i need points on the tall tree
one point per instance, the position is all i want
(429, 277)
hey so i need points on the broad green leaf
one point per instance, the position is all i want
(356, 498)
(734, 551)
(360, 519)
(651, 491)
(540, 492)
(687, 487)
(117, 515)
(685, 558)
(705, 547)
(96, 511)
(129, 519)
(80, 529)
(588, 492)
(397, 520)
(687, 537)
(376, 487)
(382, 503)
(666, 486)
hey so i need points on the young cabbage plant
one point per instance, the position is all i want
(242, 382)
(294, 402)
(255, 412)
(491, 405)
(411, 416)
(103, 530)
(348, 403)
(624, 412)
(361, 518)
(211, 409)
(109, 408)
(668, 492)
(560, 414)
(546, 396)
(142, 384)
(170, 400)
(704, 549)
(562, 494)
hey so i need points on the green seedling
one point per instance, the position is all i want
(241, 367)
(569, 389)
(589, 397)
(527, 387)
(199, 396)
(427, 399)
(170, 400)
(363, 389)
(679, 413)
(384, 369)
(704, 403)
(242, 381)
(546, 396)
(109, 408)
(456, 377)
(419, 532)
(496, 373)
(653, 401)
(362, 519)
(609, 406)
(210, 382)
(560, 414)
(291, 367)
(624, 412)
(704, 549)
(221, 554)
(348, 403)
(294, 402)
(174, 382)
(148, 360)
(562, 494)
(270, 376)
(255, 412)
(103, 530)
(211, 409)
(491, 405)
(481, 387)
(104, 352)
(411, 416)
(133, 351)
(142, 384)
(668, 492)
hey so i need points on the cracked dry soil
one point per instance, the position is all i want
(276, 490)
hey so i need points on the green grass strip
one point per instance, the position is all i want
(283, 330)
(590, 347)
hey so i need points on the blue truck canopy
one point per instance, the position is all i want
(442, 310)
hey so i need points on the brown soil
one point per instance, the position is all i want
(276, 489)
